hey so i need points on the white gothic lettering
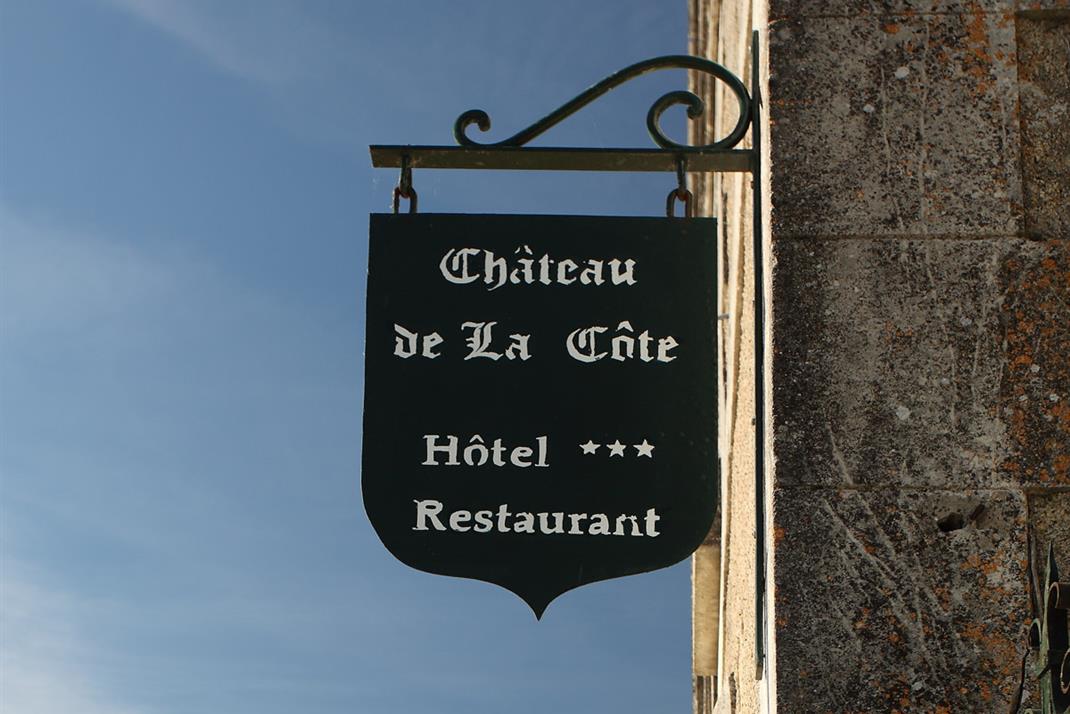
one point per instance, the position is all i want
(462, 266)
(430, 517)
(448, 451)
(584, 345)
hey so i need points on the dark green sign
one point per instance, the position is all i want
(540, 395)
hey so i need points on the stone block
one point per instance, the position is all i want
(898, 125)
(879, 608)
(921, 363)
(1031, 8)
(1044, 74)
(1034, 394)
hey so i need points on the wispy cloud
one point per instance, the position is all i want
(270, 41)
(299, 63)
(54, 277)
(110, 456)
(57, 287)
(44, 656)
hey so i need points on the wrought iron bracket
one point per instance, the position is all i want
(721, 155)
(1048, 642)
(512, 153)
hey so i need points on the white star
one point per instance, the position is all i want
(645, 449)
(616, 448)
(590, 447)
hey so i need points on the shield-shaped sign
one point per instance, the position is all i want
(540, 395)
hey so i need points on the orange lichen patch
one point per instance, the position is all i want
(1061, 466)
(891, 28)
(942, 709)
(1002, 652)
(978, 35)
(1022, 361)
(1061, 413)
(1005, 20)
(863, 622)
(778, 534)
(1018, 426)
(978, 62)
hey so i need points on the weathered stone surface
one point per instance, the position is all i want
(1035, 391)
(894, 125)
(879, 610)
(887, 363)
(1044, 75)
(853, 8)
(921, 363)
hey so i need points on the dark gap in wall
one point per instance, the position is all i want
(951, 522)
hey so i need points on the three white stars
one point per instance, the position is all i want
(617, 448)
(645, 449)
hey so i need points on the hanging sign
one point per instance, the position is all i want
(540, 395)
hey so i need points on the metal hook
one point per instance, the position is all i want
(404, 188)
(680, 192)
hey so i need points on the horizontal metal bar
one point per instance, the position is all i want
(560, 158)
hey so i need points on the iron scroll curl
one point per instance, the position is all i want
(695, 106)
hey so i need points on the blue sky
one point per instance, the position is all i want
(184, 191)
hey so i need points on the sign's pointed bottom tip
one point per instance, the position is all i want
(538, 605)
(537, 609)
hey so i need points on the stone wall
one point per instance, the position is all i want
(919, 233)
